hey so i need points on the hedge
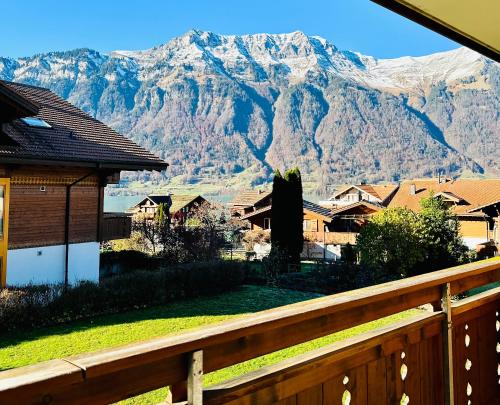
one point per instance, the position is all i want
(36, 306)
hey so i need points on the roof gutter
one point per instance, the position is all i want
(75, 163)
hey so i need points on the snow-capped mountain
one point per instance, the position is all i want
(226, 107)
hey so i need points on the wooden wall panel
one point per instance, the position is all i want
(37, 218)
(474, 228)
(383, 381)
(479, 331)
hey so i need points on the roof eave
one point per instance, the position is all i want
(439, 27)
(29, 108)
(149, 166)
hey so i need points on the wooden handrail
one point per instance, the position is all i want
(118, 373)
(323, 363)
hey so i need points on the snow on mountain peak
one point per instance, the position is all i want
(256, 57)
(243, 56)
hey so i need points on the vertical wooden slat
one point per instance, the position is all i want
(392, 375)
(287, 401)
(473, 355)
(195, 378)
(333, 390)
(376, 382)
(399, 384)
(487, 361)
(358, 385)
(459, 358)
(412, 382)
(426, 364)
(437, 358)
(311, 396)
(448, 345)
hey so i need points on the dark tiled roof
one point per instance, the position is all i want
(178, 201)
(75, 137)
(318, 209)
(159, 199)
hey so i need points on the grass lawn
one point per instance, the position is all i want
(113, 330)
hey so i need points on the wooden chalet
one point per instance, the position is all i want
(180, 206)
(249, 201)
(55, 161)
(325, 230)
(380, 194)
(476, 202)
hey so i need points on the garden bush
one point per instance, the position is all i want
(36, 306)
(328, 278)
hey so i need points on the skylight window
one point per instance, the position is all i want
(35, 122)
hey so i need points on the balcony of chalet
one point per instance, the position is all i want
(448, 355)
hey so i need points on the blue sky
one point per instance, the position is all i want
(35, 26)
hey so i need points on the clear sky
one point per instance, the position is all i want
(36, 26)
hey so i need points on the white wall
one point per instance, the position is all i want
(471, 243)
(46, 264)
(316, 250)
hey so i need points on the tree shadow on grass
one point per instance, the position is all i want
(244, 300)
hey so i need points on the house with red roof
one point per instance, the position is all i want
(55, 162)
(475, 202)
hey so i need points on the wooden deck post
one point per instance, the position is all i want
(448, 345)
(195, 378)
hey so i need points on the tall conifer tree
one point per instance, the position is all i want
(287, 216)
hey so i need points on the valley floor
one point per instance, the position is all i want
(22, 349)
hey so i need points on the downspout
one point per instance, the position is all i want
(66, 223)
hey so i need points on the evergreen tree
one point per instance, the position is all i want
(162, 215)
(278, 213)
(295, 214)
(287, 236)
(162, 223)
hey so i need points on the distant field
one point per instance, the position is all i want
(113, 330)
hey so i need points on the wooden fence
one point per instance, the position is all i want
(447, 356)
(116, 226)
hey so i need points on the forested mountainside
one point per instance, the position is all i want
(230, 109)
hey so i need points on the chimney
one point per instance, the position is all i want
(413, 189)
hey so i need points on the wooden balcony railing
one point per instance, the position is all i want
(116, 226)
(449, 356)
(331, 238)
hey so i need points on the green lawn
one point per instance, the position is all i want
(113, 330)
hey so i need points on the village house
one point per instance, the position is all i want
(180, 206)
(55, 161)
(326, 230)
(249, 201)
(379, 194)
(476, 203)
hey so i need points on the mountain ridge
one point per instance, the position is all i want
(229, 109)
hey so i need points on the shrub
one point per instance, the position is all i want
(328, 278)
(35, 306)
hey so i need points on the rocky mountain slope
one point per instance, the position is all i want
(230, 109)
